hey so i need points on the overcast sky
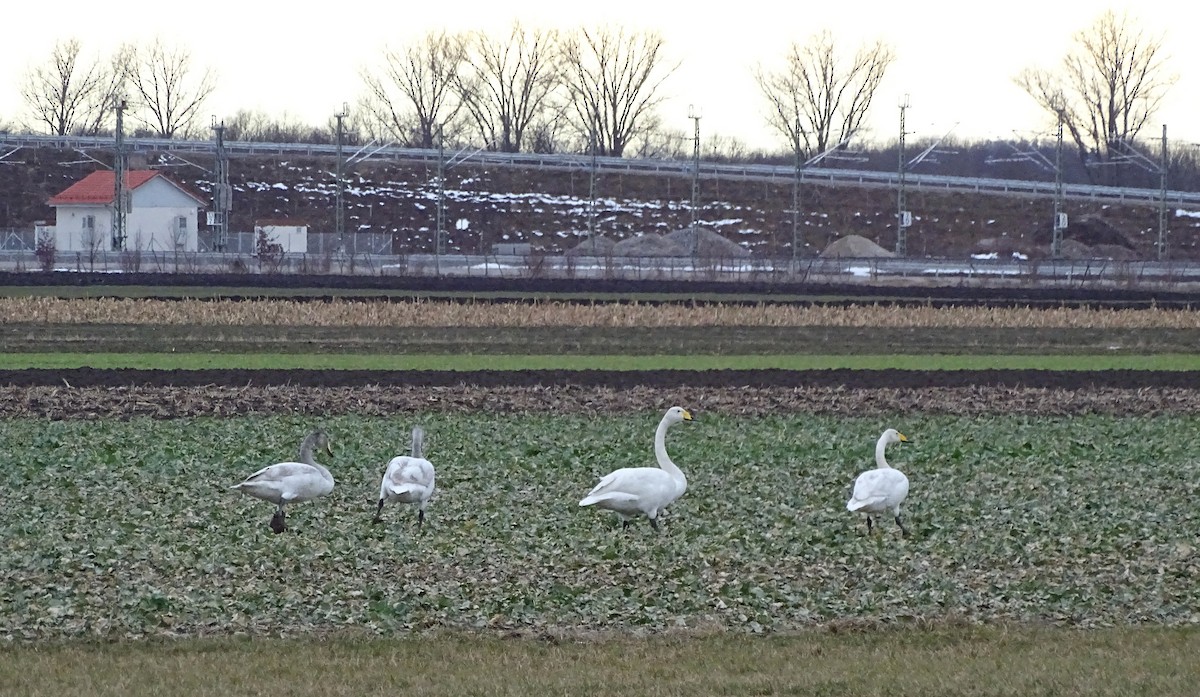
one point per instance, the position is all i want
(956, 65)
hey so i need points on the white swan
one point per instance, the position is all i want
(292, 482)
(634, 491)
(882, 489)
(408, 479)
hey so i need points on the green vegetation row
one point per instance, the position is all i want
(269, 361)
(593, 341)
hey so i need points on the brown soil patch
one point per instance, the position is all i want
(109, 394)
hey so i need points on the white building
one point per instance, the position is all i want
(160, 215)
(290, 235)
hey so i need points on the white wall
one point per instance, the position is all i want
(293, 238)
(70, 235)
(158, 230)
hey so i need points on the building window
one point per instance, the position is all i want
(181, 231)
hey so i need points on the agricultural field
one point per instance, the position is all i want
(1051, 510)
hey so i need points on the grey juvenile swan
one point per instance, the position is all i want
(292, 482)
(408, 479)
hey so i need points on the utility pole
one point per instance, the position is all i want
(441, 191)
(903, 217)
(340, 188)
(119, 167)
(694, 115)
(1162, 199)
(1060, 218)
(796, 198)
(593, 144)
(222, 193)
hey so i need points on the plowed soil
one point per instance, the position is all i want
(94, 394)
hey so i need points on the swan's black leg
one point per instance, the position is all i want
(903, 530)
(868, 524)
(624, 524)
(379, 513)
(420, 517)
(654, 524)
(278, 522)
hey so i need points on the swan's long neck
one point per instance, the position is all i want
(660, 451)
(418, 442)
(881, 461)
(307, 457)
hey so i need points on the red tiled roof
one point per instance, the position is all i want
(97, 187)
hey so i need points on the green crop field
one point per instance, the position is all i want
(256, 361)
(127, 529)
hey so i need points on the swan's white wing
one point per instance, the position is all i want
(286, 482)
(408, 479)
(603, 485)
(611, 497)
(419, 471)
(280, 472)
(878, 487)
(389, 475)
(410, 470)
(648, 484)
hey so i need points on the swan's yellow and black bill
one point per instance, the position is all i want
(903, 438)
(687, 415)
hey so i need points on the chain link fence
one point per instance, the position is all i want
(372, 253)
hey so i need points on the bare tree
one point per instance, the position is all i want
(506, 85)
(168, 91)
(613, 80)
(817, 98)
(247, 125)
(550, 133)
(415, 93)
(660, 142)
(68, 97)
(1109, 85)
(259, 126)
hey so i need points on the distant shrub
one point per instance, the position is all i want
(46, 250)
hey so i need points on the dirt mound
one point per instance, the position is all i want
(1094, 230)
(650, 245)
(855, 246)
(1115, 252)
(1074, 249)
(711, 244)
(601, 246)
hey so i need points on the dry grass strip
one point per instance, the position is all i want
(438, 313)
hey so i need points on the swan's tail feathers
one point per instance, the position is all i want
(858, 504)
(591, 499)
(401, 490)
(418, 442)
